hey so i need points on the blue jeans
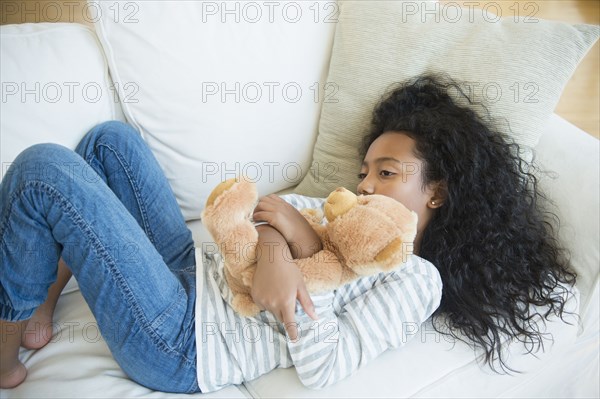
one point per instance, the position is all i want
(109, 211)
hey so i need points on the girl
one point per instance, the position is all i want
(112, 217)
(492, 242)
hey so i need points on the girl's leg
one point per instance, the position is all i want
(37, 332)
(124, 162)
(53, 204)
(122, 159)
(12, 371)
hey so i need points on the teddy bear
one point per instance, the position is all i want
(364, 235)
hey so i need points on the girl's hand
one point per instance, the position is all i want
(302, 240)
(278, 282)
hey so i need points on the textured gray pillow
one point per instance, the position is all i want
(517, 68)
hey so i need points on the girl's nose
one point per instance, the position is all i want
(365, 187)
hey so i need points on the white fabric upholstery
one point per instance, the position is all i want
(205, 84)
(572, 184)
(77, 362)
(55, 86)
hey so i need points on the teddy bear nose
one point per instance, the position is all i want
(339, 202)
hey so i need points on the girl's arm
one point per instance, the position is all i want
(278, 282)
(301, 238)
(388, 313)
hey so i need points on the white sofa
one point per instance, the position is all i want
(57, 82)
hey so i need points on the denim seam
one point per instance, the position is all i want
(144, 214)
(194, 387)
(5, 228)
(78, 220)
(136, 191)
(160, 319)
(4, 224)
(146, 226)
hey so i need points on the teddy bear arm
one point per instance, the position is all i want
(322, 271)
(244, 305)
(322, 233)
(242, 300)
(226, 217)
(312, 216)
(394, 253)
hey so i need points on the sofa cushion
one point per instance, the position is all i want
(233, 88)
(433, 365)
(58, 102)
(517, 68)
(78, 364)
(570, 161)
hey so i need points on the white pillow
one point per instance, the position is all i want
(516, 68)
(55, 86)
(221, 88)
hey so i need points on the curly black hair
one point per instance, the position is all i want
(493, 241)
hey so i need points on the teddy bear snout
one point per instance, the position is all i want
(339, 202)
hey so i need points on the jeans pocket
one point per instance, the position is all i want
(175, 325)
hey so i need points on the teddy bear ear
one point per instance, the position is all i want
(219, 189)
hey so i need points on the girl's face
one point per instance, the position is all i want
(391, 168)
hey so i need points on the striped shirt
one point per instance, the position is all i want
(356, 323)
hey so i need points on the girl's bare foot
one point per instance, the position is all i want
(38, 330)
(33, 333)
(14, 377)
(12, 371)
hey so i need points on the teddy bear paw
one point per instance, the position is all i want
(244, 305)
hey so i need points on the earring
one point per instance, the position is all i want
(432, 202)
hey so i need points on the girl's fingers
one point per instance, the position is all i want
(289, 322)
(306, 302)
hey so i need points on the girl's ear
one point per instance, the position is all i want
(440, 193)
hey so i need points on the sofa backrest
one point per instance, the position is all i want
(55, 86)
(570, 159)
(233, 88)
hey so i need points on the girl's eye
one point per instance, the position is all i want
(386, 173)
(361, 176)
